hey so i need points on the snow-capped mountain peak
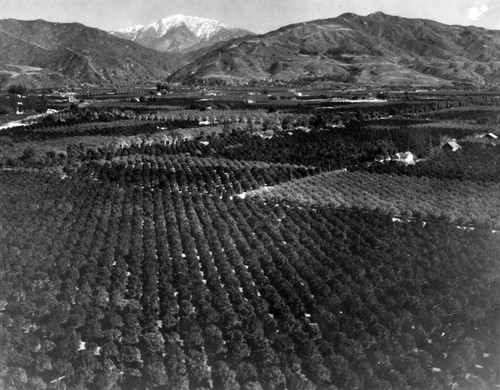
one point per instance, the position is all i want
(180, 33)
(200, 27)
(132, 29)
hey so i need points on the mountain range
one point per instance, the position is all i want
(40, 53)
(377, 49)
(180, 33)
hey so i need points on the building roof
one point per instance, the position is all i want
(404, 155)
(452, 144)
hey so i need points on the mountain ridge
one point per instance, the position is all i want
(72, 53)
(373, 49)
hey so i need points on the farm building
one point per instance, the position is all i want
(451, 145)
(61, 99)
(489, 135)
(406, 158)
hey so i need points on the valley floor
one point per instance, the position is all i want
(140, 250)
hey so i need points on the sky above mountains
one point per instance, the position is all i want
(259, 16)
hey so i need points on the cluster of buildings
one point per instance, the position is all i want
(61, 99)
(408, 158)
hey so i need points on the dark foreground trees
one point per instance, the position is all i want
(163, 286)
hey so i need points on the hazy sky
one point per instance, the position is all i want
(255, 15)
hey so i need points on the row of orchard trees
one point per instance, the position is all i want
(121, 286)
(454, 200)
(101, 118)
(197, 174)
(354, 146)
(146, 297)
(37, 132)
(338, 148)
(112, 120)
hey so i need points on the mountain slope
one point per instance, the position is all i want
(179, 33)
(73, 53)
(376, 49)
